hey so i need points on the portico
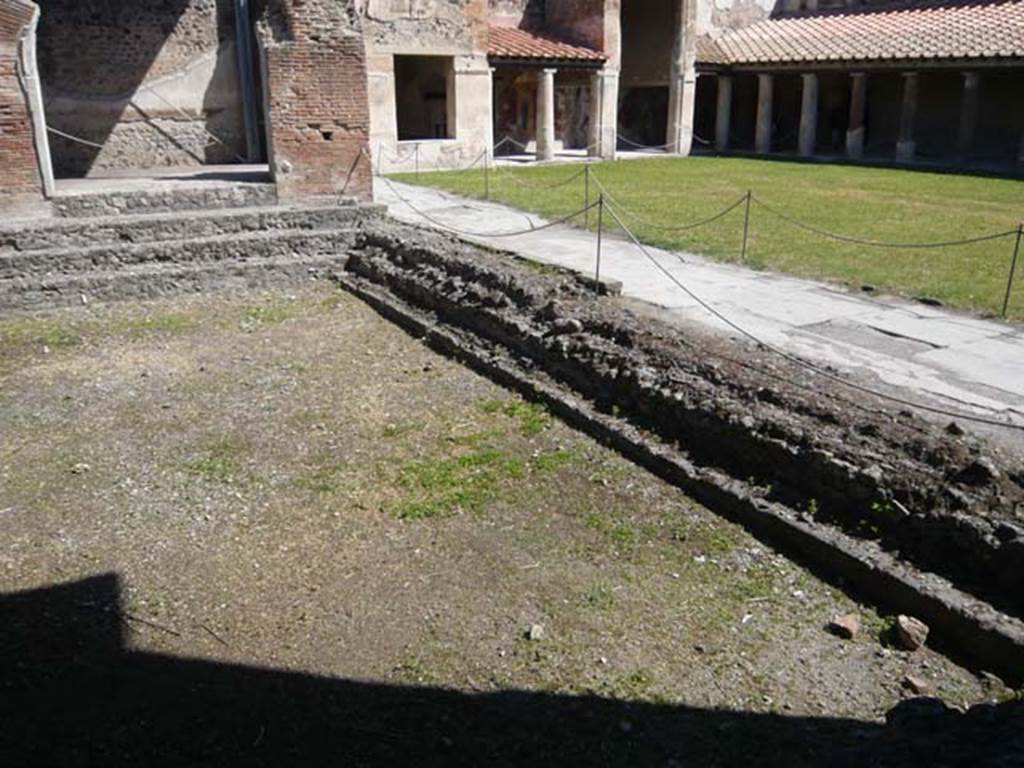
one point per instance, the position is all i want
(818, 90)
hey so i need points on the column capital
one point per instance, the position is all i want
(910, 74)
(552, 71)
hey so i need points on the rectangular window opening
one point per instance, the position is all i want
(424, 97)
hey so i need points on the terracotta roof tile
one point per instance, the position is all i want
(511, 43)
(921, 31)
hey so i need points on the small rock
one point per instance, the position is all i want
(992, 683)
(567, 325)
(535, 632)
(84, 299)
(979, 472)
(954, 429)
(912, 632)
(80, 468)
(917, 684)
(846, 626)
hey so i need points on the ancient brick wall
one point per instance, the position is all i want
(147, 82)
(315, 71)
(21, 182)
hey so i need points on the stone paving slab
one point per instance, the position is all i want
(954, 360)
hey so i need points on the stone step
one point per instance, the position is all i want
(162, 279)
(20, 270)
(36, 235)
(198, 197)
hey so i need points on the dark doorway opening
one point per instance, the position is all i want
(424, 97)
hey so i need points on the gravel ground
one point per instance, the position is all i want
(268, 487)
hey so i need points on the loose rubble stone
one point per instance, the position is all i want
(535, 632)
(567, 325)
(846, 626)
(981, 471)
(912, 632)
(917, 684)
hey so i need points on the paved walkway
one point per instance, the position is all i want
(923, 353)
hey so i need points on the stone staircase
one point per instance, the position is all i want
(110, 245)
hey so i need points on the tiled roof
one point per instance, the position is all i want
(511, 43)
(972, 30)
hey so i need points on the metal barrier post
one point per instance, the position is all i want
(1013, 268)
(586, 197)
(600, 232)
(746, 228)
(416, 155)
(487, 178)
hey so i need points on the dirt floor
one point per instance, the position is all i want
(241, 492)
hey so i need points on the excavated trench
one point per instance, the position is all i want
(950, 503)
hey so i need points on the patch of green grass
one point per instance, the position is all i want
(871, 203)
(273, 313)
(37, 332)
(553, 460)
(171, 322)
(533, 418)
(541, 269)
(217, 461)
(633, 686)
(441, 487)
(624, 535)
(715, 540)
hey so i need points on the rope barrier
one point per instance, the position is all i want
(799, 361)
(556, 185)
(879, 243)
(76, 139)
(187, 116)
(642, 147)
(468, 233)
(667, 228)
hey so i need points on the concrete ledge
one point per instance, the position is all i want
(964, 627)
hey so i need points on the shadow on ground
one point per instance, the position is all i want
(72, 693)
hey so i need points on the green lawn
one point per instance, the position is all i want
(878, 204)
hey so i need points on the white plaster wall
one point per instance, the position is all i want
(469, 96)
(716, 15)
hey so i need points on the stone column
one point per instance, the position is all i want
(968, 115)
(858, 102)
(809, 115)
(546, 115)
(604, 114)
(763, 139)
(683, 83)
(681, 99)
(906, 146)
(723, 115)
